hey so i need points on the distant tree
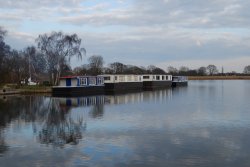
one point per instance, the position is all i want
(202, 71)
(155, 70)
(5, 51)
(183, 70)
(212, 69)
(117, 67)
(191, 73)
(37, 59)
(172, 70)
(2, 33)
(58, 49)
(16, 67)
(247, 70)
(150, 69)
(95, 64)
(82, 70)
(66, 70)
(107, 70)
(131, 69)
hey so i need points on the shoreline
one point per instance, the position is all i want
(33, 90)
(25, 91)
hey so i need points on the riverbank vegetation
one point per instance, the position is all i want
(50, 59)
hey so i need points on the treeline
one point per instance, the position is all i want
(50, 59)
(95, 67)
(45, 62)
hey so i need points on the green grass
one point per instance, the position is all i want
(34, 87)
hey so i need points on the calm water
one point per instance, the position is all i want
(205, 124)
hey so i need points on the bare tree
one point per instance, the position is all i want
(132, 69)
(82, 70)
(117, 67)
(172, 70)
(202, 71)
(183, 69)
(247, 70)
(212, 69)
(4, 52)
(58, 49)
(95, 64)
(155, 70)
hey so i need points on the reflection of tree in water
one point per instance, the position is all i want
(8, 112)
(51, 123)
(3, 147)
(97, 111)
(59, 128)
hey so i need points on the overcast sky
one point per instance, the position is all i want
(189, 33)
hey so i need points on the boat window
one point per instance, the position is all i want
(83, 81)
(157, 77)
(115, 77)
(129, 78)
(92, 81)
(163, 77)
(99, 81)
(107, 78)
(146, 77)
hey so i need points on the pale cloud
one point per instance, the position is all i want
(114, 17)
(141, 32)
(22, 4)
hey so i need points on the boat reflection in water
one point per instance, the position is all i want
(139, 97)
(60, 121)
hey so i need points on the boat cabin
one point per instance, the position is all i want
(80, 81)
(121, 78)
(150, 77)
(180, 79)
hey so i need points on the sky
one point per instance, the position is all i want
(163, 33)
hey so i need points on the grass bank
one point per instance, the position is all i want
(24, 89)
(219, 78)
(34, 89)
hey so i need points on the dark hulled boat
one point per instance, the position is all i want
(79, 86)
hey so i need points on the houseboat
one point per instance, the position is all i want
(122, 83)
(151, 81)
(179, 81)
(79, 86)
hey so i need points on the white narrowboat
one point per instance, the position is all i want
(179, 81)
(152, 81)
(122, 83)
(79, 86)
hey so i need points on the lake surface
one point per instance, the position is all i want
(206, 124)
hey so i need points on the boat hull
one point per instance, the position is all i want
(152, 85)
(77, 91)
(123, 87)
(184, 83)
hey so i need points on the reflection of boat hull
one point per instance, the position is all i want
(77, 91)
(81, 101)
(183, 83)
(123, 87)
(152, 85)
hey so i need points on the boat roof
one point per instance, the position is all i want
(76, 76)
